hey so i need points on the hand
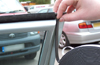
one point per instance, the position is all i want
(85, 9)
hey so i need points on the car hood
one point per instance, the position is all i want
(7, 14)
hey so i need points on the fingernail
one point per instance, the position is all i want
(61, 20)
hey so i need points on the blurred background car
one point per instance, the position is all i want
(45, 10)
(36, 8)
(17, 44)
(80, 32)
(77, 32)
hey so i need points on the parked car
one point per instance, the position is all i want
(36, 8)
(78, 32)
(45, 10)
(17, 44)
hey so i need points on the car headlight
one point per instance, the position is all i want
(33, 33)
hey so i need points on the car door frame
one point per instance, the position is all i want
(47, 56)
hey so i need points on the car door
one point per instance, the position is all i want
(46, 54)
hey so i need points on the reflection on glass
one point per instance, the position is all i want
(21, 48)
(46, 10)
(12, 6)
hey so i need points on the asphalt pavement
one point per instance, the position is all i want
(60, 55)
(22, 61)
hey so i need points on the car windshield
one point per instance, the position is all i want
(10, 6)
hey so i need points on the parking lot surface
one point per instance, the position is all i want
(22, 61)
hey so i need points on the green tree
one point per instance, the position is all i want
(37, 1)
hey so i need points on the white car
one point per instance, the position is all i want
(36, 8)
(78, 32)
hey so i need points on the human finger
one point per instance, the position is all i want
(70, 9)
(56, 5)
(72, 16)
(63, 6)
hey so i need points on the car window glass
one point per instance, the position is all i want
(25, 49)
(43, 11)
(22, 48)
(32, 8)
(6, 7)
(50, 10)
